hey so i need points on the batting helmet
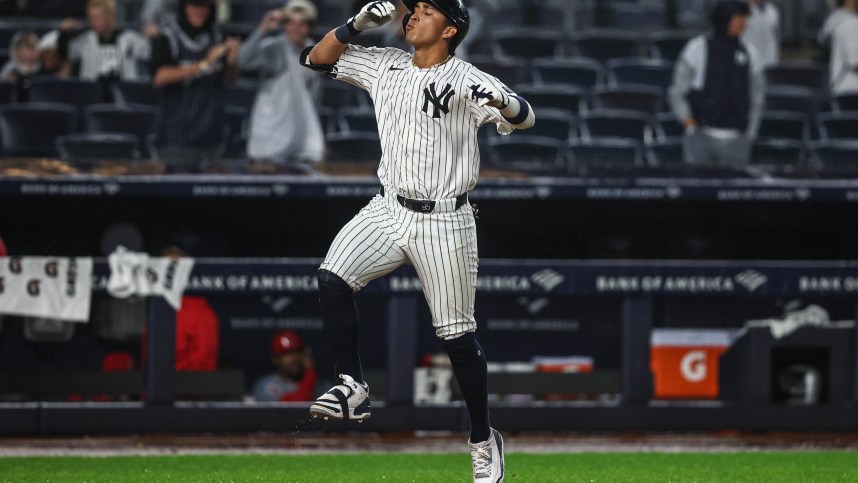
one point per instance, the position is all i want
(455, 10)
(286, 341)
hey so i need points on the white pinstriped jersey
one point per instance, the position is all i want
(428, 129)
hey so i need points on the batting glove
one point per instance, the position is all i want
(373, 15)
(487, 95)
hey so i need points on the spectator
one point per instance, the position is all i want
(49, 57)
(295, 377)
(23, 63)
(284, 125)
(718, 91)
(191, 62)
(840, 33)
(105, 53)
(764, 31)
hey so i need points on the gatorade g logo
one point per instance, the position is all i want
(15, 265)
(151, 275)
(52, 269)
(440, 101)
(34, 287)
(693, 366)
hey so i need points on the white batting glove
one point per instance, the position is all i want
(373, 15)
(487, 95)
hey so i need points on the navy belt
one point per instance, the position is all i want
(425, 206)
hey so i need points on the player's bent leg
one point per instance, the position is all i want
(487, 459)
(346, 401)
(342, 323)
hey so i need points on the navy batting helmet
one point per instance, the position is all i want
(455, 10)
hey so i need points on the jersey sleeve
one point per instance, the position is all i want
(485, 114)
(361, 66)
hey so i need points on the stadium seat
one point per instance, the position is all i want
(613, 123)
(838, 126)
(29, 130)
(353, 147)
(528, 44)
(87, 147)
(845, 103)
(553, 123)
(803, 74)
(327, 116)
(512, 15)
(236, 132)
(803, 100)
(604, 45)
(139, 120)
(48, 330)
(582, 73)
(665, 127)
(137, 92)
(336, 94)
(604, 154)
(651, 72)
(641, 98)
(508, 71)
(8, 92)
(777, 125)
(357, 120)
(533, 154)
(665, 154)
(668, 44)
(77, 92)
(835, 156)
(553, 96)
(780, 155)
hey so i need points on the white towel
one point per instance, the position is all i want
(133, 273)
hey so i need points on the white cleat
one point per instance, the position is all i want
(487, 458)
(349, 400)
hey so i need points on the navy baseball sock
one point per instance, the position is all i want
(469, 366)
(340, 316)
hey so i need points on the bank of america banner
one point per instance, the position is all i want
(48, 287)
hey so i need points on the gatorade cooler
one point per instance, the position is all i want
(684, 362)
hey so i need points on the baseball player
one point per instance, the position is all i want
(429, 105)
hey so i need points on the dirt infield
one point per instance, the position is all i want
(439, 442)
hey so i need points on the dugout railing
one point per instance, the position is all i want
(638, 284)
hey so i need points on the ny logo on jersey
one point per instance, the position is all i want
(440, 101)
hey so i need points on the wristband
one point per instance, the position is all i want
(346, 32)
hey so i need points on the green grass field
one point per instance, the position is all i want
(792, 467)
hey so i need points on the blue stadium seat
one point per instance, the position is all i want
(553, 123)
(777, 125)
(29, 130)
(512, 15)
(613, 123)
(668, 44)
(666, 154)
(665, 127)
(357, 120)
(88, 147)
(8, 92)
(803, 100)
(337, 94)
(552, 96)
(605, 154)
(534, 154)
(650, 72)
(508, 71)
(139, 120)
(604, 45)
(779, 155)
(798, 73)
(641, 98)
(582, 73)
(528, 44)
(835, 156)
(327, 116)
(845, 103)
(77, 92)
(838, 126)
(353, 147)
(137, 92)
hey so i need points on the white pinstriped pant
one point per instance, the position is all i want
(441, 245)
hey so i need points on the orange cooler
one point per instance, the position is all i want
(684, 362)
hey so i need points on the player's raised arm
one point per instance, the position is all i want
(328, 50)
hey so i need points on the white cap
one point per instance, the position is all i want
(303, 8)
